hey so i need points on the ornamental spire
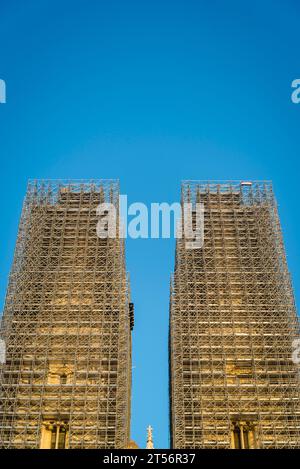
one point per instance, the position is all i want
(149, 438)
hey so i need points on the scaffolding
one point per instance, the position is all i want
(67, 322)
(233, 383)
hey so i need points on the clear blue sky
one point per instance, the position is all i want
(151, 92)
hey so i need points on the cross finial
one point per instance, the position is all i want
(149, 438)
